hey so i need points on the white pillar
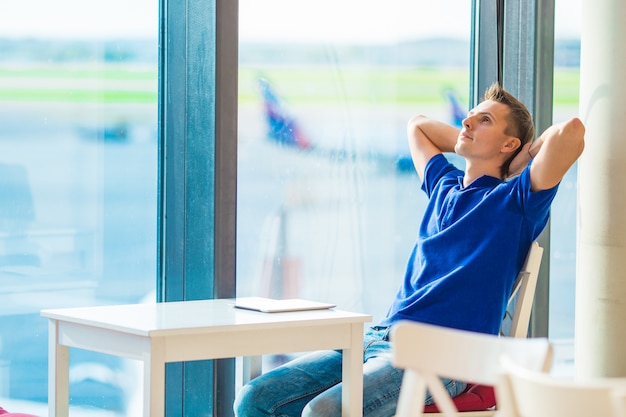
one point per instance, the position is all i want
(600, 338)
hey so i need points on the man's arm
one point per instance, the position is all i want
(554, 152)
(428, 138)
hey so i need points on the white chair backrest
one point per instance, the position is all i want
(526, 393)
(524, 290)
(427, 352)
(619, 400)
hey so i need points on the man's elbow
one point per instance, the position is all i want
(415, 122)
(413, 129)
(576, 126)
(574, 131)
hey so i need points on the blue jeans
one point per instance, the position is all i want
(310, 386)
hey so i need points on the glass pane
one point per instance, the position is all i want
(563, 225)
(328, 201)
(78, 182)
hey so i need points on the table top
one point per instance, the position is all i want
(202, 316)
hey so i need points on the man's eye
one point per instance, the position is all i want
(485, 119)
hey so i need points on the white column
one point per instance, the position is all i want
(600, 339)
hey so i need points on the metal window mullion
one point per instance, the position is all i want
(543, 106)
(528, 74)
(225, 195)
(226, 110)
(197, 180)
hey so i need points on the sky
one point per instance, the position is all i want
(86, 19)
(262, 20)
(353, 20)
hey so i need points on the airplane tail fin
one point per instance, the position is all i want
(282, 128)
(457, 111)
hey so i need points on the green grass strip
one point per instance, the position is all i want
(367, 86)
(96, 96)
(95, 73)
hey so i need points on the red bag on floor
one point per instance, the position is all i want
(5, 413)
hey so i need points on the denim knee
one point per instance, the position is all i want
(322, 406)
(247, 402)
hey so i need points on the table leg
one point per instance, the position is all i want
(58, 373)
(154, 380)
(352, 375)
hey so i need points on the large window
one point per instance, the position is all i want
(328, 200)
(78, 186)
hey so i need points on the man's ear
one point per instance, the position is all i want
(511, 144)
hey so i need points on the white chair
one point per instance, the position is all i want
(525, 393)
(427, 352)
(619, 398)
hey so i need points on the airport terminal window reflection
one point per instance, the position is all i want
(78, 182)
(328, 200)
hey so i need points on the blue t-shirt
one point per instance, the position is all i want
(471, 245)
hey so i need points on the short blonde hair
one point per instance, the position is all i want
(519, 120)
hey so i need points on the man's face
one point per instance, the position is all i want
(483, 130)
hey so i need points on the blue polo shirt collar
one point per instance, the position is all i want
(481, 182)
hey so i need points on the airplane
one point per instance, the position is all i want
(284, 129)
(457, 111)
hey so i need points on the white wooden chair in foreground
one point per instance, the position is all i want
(427, 352)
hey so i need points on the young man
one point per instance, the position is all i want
(473, 239)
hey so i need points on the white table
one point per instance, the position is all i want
(194, 330)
